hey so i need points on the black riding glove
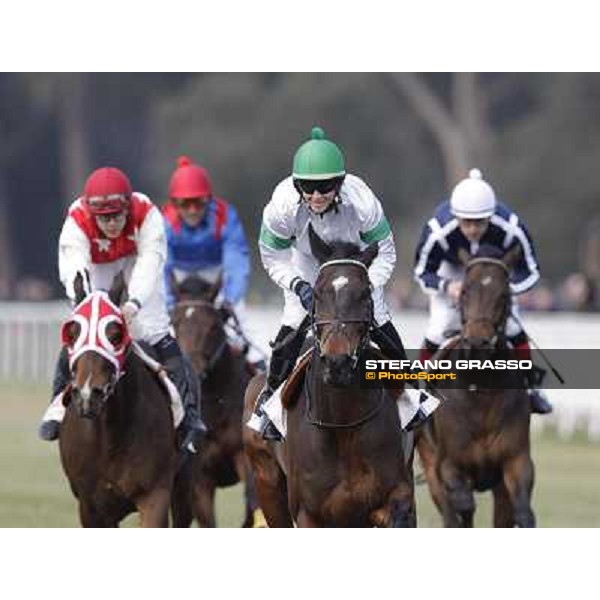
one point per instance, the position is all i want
(304, 291)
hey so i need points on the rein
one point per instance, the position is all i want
(339, 323)
(331, 425)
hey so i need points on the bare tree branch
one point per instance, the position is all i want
(443, 126)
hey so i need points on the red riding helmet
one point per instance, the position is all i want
(189, 180)
(107, 190)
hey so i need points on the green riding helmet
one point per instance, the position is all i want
(318, 158)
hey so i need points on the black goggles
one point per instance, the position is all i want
(323, 186)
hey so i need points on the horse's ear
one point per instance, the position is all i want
(512, 256)
(464, 257)
(214, 290)
(81, 285)
(320, 249)
(368, 255)
(117, 288)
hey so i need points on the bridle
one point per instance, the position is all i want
(339, 322)
(499, 326)
(218, 353)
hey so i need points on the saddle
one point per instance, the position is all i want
(293, 386)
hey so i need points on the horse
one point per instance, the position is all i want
(342, 463)
(223, 376)
(117, 441)
(478, 439)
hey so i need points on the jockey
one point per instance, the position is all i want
(205, 238)
(339, 206)
(472, 217)
(110, 229)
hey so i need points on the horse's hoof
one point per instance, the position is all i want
(49, 431)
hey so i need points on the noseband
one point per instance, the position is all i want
(339, 322)
(498, 327)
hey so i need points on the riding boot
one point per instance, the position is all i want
(50, 427)
(537, 397)
(286, 348)
(538, 400)
(192, 428)
(388, 339)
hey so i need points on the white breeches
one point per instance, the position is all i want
(445, 317)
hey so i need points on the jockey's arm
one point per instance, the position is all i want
(375, 228)
(150, 261)
(525, 272)
(428, 259)
(74, 255)
(275, 243)
(236, 259)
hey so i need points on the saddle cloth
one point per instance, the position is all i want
(408, 402)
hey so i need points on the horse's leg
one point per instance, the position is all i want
(459, 507)
(399, 510)
(503, 510)
(181, 498)
(89, 517)
(518, 478)
(154, 508)
(305, 520)
(253, 514)
(427, 457)
(204, 501)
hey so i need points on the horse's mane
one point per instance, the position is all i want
(195, 286)
(341, 249)
(489, 251)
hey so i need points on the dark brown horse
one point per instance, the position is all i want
(117, 440)
(342, 462)
(223, 375)
(479, 437)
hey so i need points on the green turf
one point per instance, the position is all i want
(35, 493)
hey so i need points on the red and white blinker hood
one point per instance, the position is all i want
(93, 314)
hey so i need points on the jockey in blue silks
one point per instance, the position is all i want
(205, 238)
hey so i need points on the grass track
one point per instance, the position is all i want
(35, 493)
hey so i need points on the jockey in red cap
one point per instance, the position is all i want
(205, 238)
(110, 229)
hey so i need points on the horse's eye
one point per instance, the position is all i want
(70, 333)
(115, 335)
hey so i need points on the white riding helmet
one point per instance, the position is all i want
(473, 198)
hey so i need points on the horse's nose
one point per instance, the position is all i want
(477, 342)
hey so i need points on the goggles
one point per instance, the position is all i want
(323, 186)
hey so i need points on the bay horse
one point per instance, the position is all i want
(342, 463)
(478, 439)
(223, 376)
(117, 441)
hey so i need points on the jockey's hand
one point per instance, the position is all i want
(453, 291)
(304, 291)
(226, 310)
(130, 309)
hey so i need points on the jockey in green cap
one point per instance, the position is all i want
(340, 207)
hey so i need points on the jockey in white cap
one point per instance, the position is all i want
(473, 217)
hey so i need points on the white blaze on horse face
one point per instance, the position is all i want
(339, 282)
(189, 312)
(486, 280)
(86, 390)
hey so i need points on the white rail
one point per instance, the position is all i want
(29, 345)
